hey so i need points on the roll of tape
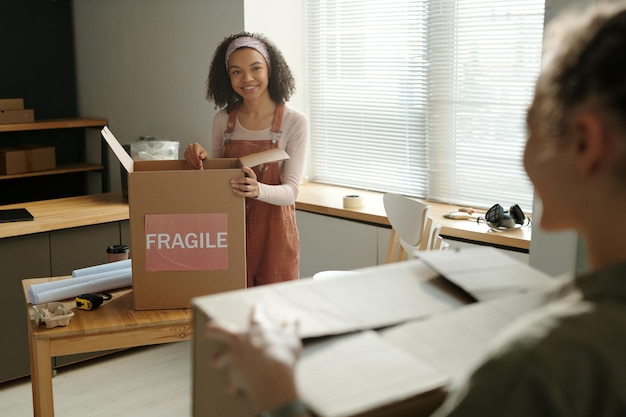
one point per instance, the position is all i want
(352, 201)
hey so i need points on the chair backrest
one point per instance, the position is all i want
(407, 218)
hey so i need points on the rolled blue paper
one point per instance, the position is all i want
(111, 266)
(68, 288)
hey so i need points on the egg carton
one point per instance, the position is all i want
(52, 314)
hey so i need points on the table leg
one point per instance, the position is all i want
(41, 377)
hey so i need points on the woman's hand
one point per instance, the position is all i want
(194, 155)
(247, 186)
(260, 362)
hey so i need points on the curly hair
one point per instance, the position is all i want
(281, 83)
(585, 61)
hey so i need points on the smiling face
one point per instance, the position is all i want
(249, 75)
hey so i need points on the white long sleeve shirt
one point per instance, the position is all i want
(294, 138)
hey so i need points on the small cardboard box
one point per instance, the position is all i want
(11, 103)
(17, 116)
(385, 341)
(26, 158)
(187, 227)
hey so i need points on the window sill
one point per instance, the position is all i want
(328, 200)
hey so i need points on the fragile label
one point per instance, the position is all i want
(186, 242)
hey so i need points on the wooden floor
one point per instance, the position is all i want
(152, 381)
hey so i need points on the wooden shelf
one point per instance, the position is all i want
(54, 124)
(72, 144)
(61, 169)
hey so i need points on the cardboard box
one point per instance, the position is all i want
(26, 158)
(345, 309)
(187, 227)
(11, 103)
(17, 116)
(387, 341)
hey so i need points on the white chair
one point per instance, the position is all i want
(432, 240)
(331, 274)
(408, 218)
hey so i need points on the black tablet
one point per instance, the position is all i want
(15, 215)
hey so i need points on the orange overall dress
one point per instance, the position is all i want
(272, 241)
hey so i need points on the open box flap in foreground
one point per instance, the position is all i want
(350, 374)
(386, 341)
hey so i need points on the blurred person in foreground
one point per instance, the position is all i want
(568, 357)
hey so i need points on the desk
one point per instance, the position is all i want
(114, 325)
(328, 200)
(66, 213)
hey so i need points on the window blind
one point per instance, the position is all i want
(424, 98)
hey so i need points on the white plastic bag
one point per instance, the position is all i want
(148, 148)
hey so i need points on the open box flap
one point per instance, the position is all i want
(118, 150)
(265, 157)
(336, 306)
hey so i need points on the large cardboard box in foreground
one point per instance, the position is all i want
(386, 341)
(187, 227)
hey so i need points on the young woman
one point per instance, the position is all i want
(566, 358)
(250, 81)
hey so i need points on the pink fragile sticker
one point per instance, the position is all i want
(186, 242)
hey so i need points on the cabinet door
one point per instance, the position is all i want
(78, 248)
(20, 258)
(81, 246)
(329, 243)
(125, 233)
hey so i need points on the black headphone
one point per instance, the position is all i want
(496, 217)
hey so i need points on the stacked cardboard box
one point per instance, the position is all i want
(26, 158)
(12, 111)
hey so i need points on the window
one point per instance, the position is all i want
(423, 98)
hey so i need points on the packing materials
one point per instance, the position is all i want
(151, 148)
(383, 341)
(187, 227)
(20, 159)
(89, 283)
(52, 315)
(107, 267)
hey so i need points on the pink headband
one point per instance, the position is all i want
(248, 42)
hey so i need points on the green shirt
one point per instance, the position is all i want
(566, 359)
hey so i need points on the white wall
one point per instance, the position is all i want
(282, 21)
(143, 64)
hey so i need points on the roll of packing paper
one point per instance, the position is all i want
(111, 266)
(68, 288)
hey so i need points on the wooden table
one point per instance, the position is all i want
(114, 325)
